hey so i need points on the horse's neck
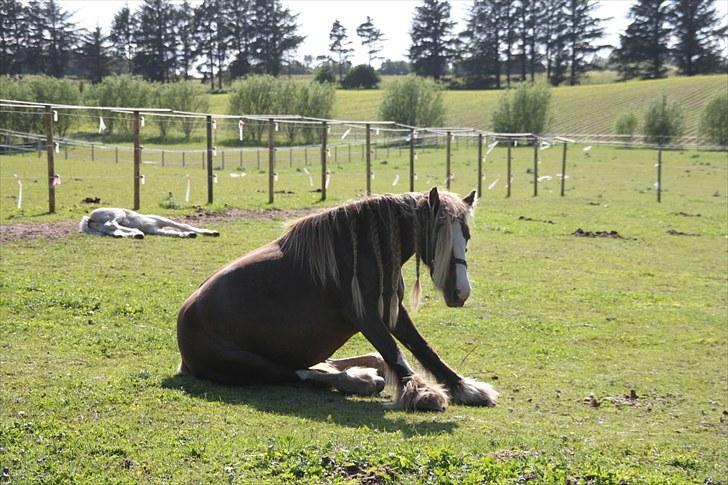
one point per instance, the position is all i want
(408, 238)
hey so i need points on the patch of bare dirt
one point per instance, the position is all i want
(59, 230)
(524, 218)
(685, 214)
(604, 234)
(674, 232)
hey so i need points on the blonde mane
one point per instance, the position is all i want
(312, 242)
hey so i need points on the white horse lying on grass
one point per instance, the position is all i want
(127, 223)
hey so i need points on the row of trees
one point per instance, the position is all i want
(517, 38)
(646, 48)
(161, 40)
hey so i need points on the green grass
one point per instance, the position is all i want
(88, 353)
(589, 108)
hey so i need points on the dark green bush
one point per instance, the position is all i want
(414, 101)
(361, 76)
(664, 121)
(714, 120)
(525, 109)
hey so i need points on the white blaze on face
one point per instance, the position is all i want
(462, 285)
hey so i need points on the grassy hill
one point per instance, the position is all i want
(590, 108)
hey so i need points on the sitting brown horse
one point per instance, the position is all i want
(278, 313)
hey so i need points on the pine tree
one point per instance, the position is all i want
(155, 56)
(51, 38)
(122, 37)
(697, 32)
(275, 37)
(432, 40)
(643, 47)
(241, 28)
(94, 54)
(481, 43)
(582, 30)
(527, 13)
(185, 39)
(507, 21)
(13, 31)
(552, 37)
(211, 38)
(372, 39)
(340, 46)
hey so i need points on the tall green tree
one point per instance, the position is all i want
(340, 46)
(698, 33)
(507, 21)
(241, 26)
(643, 50)
(551, 36)
(275, 37)
(185, 39)
(155, 56)
(583, 30)
(122, 37)
(94, 55)
(52, 37)
(371, 39)
(481, 43)
(13, 31)
(432, 46)
(212, 40)
(528, 13)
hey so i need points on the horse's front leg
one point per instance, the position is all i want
(413, 391)
(462, 390)
(163, 221)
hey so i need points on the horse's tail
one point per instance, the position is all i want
(83, 226)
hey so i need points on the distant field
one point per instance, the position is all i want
(588, 109)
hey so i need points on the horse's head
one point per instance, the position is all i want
(447, 243)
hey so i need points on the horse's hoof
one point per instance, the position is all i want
(214, 234)
(192, 235)
(474, 393)
(138, 236)
(420, 395)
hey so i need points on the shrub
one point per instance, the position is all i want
(39, 89)
(626, 125)
(714, 120)
(525, 109)
(663, 121)
(324, 73)
(361, 76)
(123, 91)
(270, 95)
(182, 96)
(414, 101)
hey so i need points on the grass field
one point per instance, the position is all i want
(88, 353)
(590, 108)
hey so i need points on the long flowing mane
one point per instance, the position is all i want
(377, 222)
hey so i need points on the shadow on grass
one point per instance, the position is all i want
(307, 402)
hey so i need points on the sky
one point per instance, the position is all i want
(392, 17)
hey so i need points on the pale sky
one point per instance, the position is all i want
(392, 17)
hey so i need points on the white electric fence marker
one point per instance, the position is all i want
(587, 149)
(20, 191)
(415, 155)
(235, 175)
(55, 116)
(328, 152)
(328, 130)
(141, 121)
(545, 145)
(416, 177)
(214, 151)
(102, 125)
(490, 148)
(562, 177)
(493, 183)
(657, 185)
(187, 192)
(328, 178)
(544, 177)
(346, 133)
(214, 124)
(58, 146)
(415, 134)
(515, 143)
(373, 174)
(276, 126)
(376, 131)
(241, 126)
(306, 171)
(214, 178)
(142, 179)
(56, 180)
(396, 180)
(275, 176)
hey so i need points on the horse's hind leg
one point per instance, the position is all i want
(373, 360)
(165, 222)
(364, 381)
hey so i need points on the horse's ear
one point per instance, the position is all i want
(470, 199)
(434, 199)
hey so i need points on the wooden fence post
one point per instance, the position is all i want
(137, 158)
(659, 173)
(535, 167)
(508, 179)
(271, 161)
(369, 158)
(563, 169)
(447, 160)
(412, 160)
(480, 165)
(209, 160)
(324, 132)
(51, 160)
